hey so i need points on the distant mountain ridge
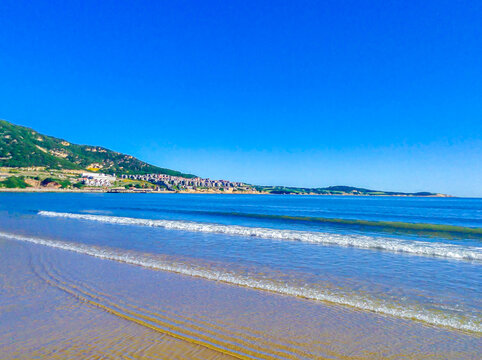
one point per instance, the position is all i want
(24, 147)
(337, 190)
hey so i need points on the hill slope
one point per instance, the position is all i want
(24, 147)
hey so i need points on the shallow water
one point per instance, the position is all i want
(419, 282)
(40, 319)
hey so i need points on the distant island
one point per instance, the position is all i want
(30, 161)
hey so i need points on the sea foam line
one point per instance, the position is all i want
(363, 303)
(422, 248)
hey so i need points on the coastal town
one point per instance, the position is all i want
(42, 179)
(164, 182)
(179, 183)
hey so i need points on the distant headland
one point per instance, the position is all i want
(33, 162)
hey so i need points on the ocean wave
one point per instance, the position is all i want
(413, 312)
(422, 248)
(445, 230)
(396, 225)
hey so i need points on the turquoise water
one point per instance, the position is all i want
(430, 275)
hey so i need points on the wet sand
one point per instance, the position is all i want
(59, 304)
(38, 320)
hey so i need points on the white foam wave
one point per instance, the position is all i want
(422, 248)
(363, 303)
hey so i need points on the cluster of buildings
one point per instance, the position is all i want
(98, 179)
(164, 181)
(177, 182)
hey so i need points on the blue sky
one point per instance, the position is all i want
(379, 94)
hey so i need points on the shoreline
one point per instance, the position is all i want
(142, 191)
(256, 293)
(98, 331)
(153, 304)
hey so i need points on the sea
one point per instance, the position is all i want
(373, 264)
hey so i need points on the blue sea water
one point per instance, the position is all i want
(428, 276)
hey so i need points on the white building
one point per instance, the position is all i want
(98, 179)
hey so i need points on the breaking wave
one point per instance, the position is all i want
(412, 247)
(413, 312)
(444, 230)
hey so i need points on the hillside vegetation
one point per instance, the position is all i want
(24, 147)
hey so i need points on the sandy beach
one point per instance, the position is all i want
(55, 305)
(43, 320)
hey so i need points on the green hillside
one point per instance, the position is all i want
(24, 147)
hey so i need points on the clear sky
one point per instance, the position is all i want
(379, 94)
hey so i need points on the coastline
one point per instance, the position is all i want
(41, 179)
(213, 192)
(209, 320)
